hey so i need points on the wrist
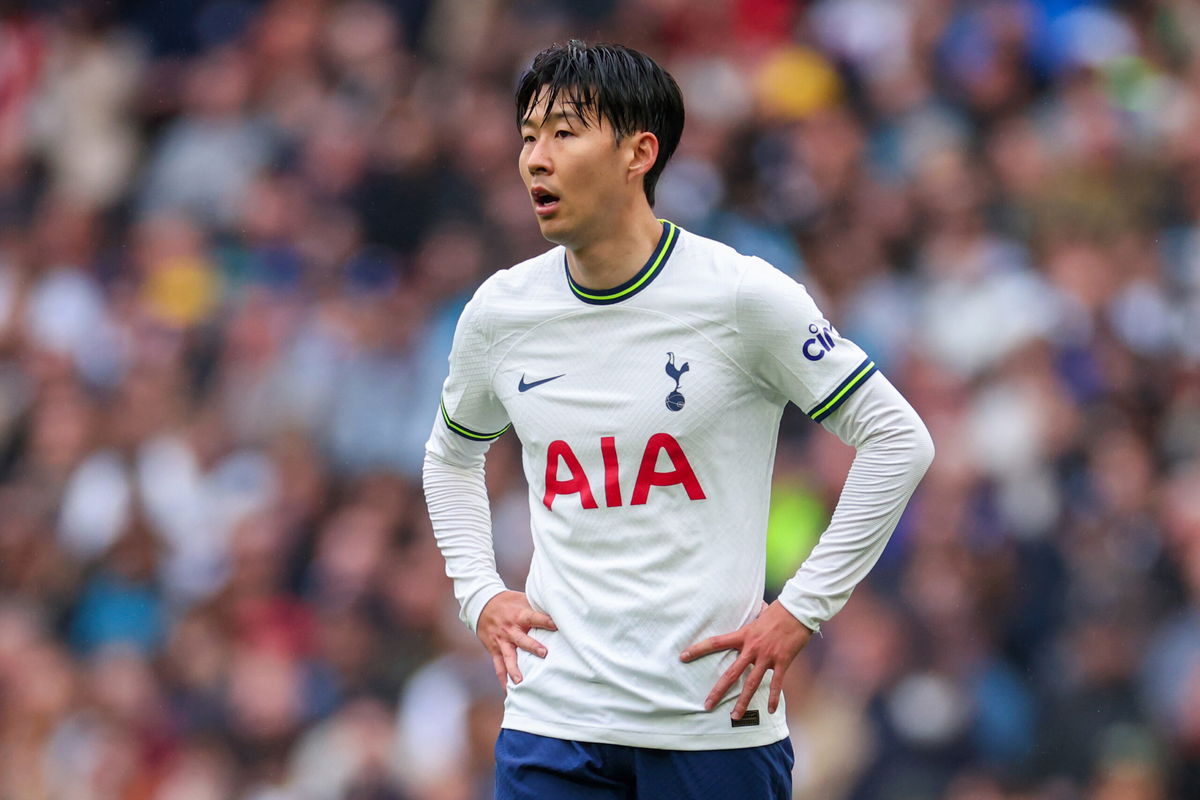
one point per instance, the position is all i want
(798, 616)
(474, 607)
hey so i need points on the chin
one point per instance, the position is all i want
(553, 230)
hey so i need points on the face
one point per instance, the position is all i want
(578, 175)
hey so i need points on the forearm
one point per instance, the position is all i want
(458, 508)
(894, 451)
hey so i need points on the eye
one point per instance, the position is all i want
(563, 133)
(527, 139)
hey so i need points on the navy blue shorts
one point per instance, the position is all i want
(531, 767)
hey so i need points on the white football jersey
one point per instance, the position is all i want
(648, 416)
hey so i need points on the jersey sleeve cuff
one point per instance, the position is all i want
(834, 400)
(803, 608)
(474, 604)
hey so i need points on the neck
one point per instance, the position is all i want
(613, 259)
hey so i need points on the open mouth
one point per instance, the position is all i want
(543, 201)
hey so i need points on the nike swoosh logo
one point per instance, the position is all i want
(522, 386)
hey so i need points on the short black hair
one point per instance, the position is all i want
(612, 82)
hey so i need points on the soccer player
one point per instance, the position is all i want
(644, 369)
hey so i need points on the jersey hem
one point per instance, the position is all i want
(770, 733)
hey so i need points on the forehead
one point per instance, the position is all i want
(567, 106)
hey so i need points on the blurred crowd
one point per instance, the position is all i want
(234, 240)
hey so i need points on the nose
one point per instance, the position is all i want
(538, 162)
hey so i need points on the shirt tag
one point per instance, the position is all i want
(748, 719)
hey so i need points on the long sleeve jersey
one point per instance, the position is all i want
(648, 416)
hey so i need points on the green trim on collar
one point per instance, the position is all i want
(641, 280)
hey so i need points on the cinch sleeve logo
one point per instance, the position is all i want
(821, 343)
(560, 457)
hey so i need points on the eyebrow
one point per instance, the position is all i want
(569, 117)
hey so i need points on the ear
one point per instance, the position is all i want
(643, 154)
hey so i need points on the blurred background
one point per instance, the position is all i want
(234, 240)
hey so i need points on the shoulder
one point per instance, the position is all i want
(521, 279)
(718, 262)
(700, 249)
(762, 283)
(518, 284)
(745, 279)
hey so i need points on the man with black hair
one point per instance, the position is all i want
(645, 370)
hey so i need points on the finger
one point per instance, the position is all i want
(728, 679)
(748, 690)
(727, 641)
(510, 660)
(776, 690)
(536, 619)
(528, 643)
(501, 673)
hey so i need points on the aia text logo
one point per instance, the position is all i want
(560, 457)
(822, 342)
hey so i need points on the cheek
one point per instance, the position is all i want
(603, 171)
